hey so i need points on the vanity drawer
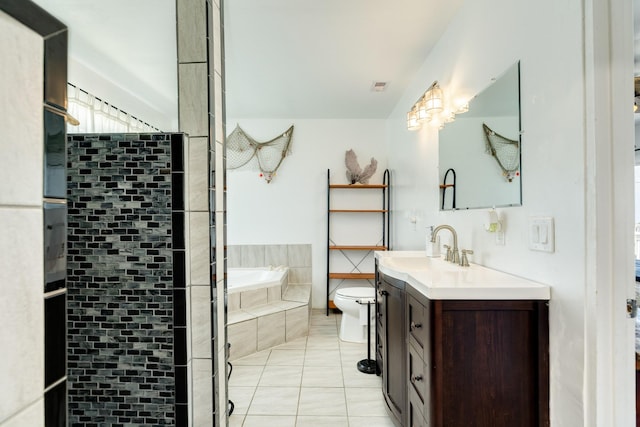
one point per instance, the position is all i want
(415, 410)
(417, 330)
(416, 371)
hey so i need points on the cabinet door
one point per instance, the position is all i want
(394, 384)
(489, 363)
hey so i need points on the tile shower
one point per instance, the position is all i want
(126, 280)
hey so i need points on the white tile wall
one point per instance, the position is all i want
(198, 174)
(191, 29)
(22, 308)
(200, 322)
(299, 255)
(192, 99)
(276, 255)
(22, 121)
(199, 248)
(21, 226)
(202, 403)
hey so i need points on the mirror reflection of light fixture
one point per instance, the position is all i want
(431, 108)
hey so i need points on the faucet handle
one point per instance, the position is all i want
(464, 262)
(449, 255)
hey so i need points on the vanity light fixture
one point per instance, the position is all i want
(431, 108)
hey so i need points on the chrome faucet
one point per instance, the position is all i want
(452, 253)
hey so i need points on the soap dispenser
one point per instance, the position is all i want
(432, 248)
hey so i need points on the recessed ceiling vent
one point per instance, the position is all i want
(379, 86)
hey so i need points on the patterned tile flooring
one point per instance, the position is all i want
(312, 381)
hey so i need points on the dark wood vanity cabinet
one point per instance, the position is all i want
(468, 362)
(391, 343)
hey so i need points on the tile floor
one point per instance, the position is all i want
(312, 381)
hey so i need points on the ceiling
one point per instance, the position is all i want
(319, 59)
(284, 58)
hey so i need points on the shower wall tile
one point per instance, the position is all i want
(200, 322)
(217, 42)
(22, 305)
(21, 174)
(199, 248)
(33, 415)
(191, 31)
(218, 108)
(192, 100)
(198, 172)
(252, 256)
(120, 280)
(299, 255)
(55, 178)
(55, 70)
(55, 339)
(55, 406)
(276, 255)
(201, 393)
(271, 330)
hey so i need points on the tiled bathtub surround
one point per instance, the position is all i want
(296, 257)
(264, 318)
(126, 278)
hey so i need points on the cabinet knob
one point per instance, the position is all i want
(379, 315)
(415, 325)
(416, 378)
(383, 293)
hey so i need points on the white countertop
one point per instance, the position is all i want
(437, 279)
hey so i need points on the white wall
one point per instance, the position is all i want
(292, 208)
(483, 40)
(21, 225)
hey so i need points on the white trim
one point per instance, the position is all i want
(609, 391)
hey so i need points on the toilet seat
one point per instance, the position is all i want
(355, 293)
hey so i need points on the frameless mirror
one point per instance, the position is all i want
(479, 153)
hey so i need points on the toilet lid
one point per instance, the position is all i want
(355, 293)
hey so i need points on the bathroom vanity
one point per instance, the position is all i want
(460, 346)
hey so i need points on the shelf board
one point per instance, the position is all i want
(359, 210)
(332, 305)
(357, 248)
(352, 276)
(358, 186)
(446, 185)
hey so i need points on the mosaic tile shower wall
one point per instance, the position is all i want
(126, 302)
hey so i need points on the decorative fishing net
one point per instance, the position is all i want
(244, 152)
(505, 151)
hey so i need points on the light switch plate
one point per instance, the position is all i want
(541, 234)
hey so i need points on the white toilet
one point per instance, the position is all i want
(353, 326)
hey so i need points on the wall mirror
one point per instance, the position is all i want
(479, 153)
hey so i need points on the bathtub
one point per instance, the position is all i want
(248, 279)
